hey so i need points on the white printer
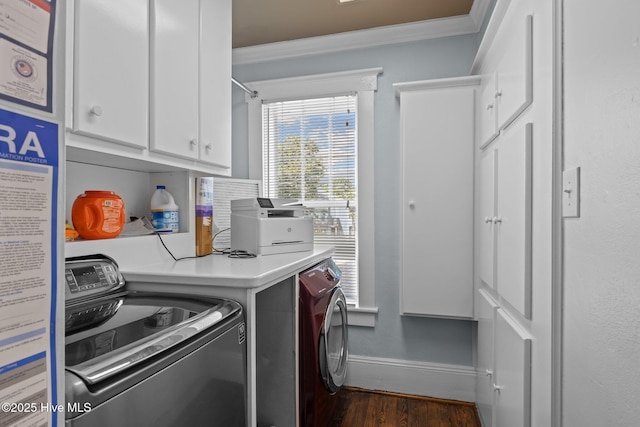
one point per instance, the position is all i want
(270, 226)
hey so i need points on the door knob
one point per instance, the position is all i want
(96, 110)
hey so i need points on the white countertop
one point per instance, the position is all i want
(222, 271)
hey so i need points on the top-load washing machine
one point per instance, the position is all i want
(323, 342)
(146, 359)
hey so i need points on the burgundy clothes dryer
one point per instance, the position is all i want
(323, 342)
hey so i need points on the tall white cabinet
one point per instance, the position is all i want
(512, 271)
(437, 127)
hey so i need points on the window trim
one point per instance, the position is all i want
(364, 83)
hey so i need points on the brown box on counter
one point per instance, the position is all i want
(204, 216)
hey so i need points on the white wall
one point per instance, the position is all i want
(602, 248)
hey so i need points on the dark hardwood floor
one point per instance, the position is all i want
(365, 408)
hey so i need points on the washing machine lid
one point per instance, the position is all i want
(107, 336)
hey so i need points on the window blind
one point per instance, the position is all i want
(309, 154)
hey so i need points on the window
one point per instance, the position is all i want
(331, 144)
(309, 154)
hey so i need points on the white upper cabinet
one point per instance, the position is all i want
(111, 70)
(215, 83)
(191, 80)
(437, 125)
(486, 108)
(175, 28)
(506, 91)
(515, 72)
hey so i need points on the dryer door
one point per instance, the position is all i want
(333, 342)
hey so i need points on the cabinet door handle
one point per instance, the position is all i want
(497, 388)
(497, 220)
(488, 220)
(489, 107)
(194, 142)
(412, 204)
(498, 94)
(208, 146)
(96, 110)
(488, 372)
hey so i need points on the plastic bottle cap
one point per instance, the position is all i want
(161, 187)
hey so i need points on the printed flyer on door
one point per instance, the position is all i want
(28, 224)
(26, 44)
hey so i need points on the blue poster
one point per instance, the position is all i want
(28, 243)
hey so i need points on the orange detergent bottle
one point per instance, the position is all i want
(98, 215)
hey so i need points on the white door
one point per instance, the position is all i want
(437, 234)
(486, 313)
(488, 163)
(512, 377)
(174, 77)
(513, 228)
(111, 70)
(215, 87)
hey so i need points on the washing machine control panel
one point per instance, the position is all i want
(90, 276)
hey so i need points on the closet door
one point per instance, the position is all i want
(486, 315)
(512, 378)
(487, 190)
(437, 234)
(513, 219)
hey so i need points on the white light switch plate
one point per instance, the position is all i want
(571, 193)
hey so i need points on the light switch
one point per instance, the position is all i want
(571, 193)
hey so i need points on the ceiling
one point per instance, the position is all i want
(257, 22)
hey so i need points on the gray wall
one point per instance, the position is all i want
(394, 336)
(601, 375)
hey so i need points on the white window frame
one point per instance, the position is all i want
(364, 83)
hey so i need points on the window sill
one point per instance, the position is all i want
(362, 316)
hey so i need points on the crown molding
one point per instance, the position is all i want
(401, 33)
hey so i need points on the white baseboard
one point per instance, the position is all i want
(437, 380)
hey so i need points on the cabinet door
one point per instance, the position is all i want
(215, 83)
(486, 116)
(512, 377)
(487, 189)
(515, 72)
(485, 312)
(111, 70)
(174, 77)
(513, 231)
(437, 234)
